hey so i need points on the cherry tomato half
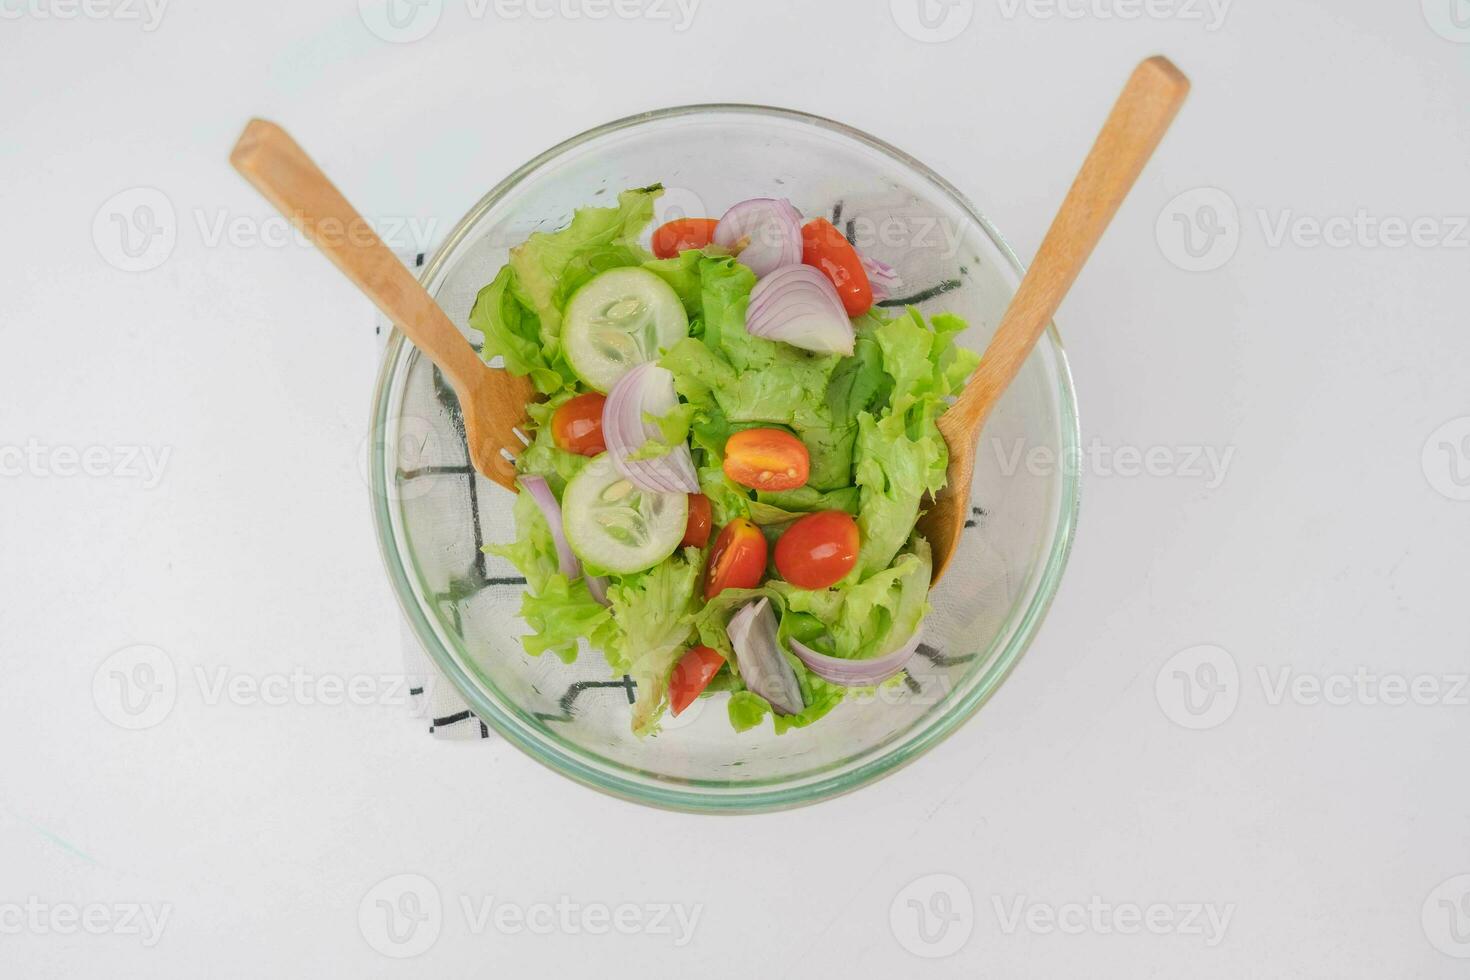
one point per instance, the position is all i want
(739, 559)
(681, 235)
(577, 425)
(692, 675)
(766, 459)
(824, 248)
(696, 532)
(818, 550)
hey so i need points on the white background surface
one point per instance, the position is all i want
(1322, 830)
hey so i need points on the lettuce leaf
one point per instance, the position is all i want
(520, 312)
(865, 619)
(655, 615)
(563, 613)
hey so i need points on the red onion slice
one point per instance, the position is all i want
(856, 673)
(764, 670)
(540, 492)
(883, 277)
(765, 231)
(646, 389)
(798, 305)
(566, 560)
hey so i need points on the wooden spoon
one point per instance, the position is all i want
(1138, 121)
(492, 401)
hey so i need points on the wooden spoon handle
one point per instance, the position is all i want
(1137, 123)
(272, 161)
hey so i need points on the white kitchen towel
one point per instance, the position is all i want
(432, 697)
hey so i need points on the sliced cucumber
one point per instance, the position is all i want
(619, 320)
(614, 526)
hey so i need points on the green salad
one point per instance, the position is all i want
(729, 458)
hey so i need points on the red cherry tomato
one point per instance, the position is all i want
(696, 532)
(692, 675)
(739, 559)
(818, 550)
(577, 425)
(766, 459)
(681, 235)
(824, 248)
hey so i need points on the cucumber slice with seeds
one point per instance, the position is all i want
(619, 320)
(615, 526)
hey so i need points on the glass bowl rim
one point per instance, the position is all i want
(673, 796)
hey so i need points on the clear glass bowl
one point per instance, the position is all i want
(432, 512)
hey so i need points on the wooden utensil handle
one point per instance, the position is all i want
(272, 161)
(1132, 132)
